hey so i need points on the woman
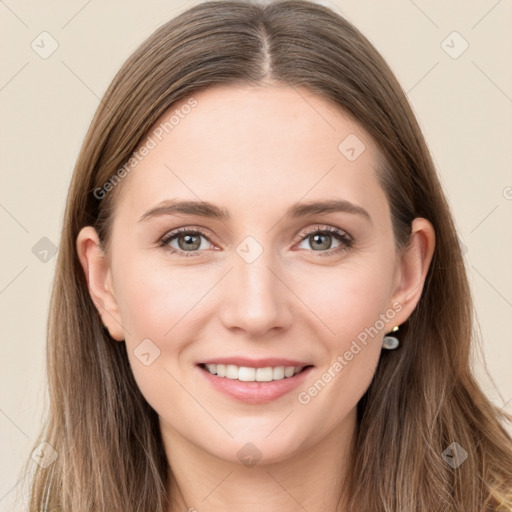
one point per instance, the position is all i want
(260, 300)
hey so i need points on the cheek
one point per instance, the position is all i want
(163, 305)
(347, 299)
(156, 303)
(350, 304)
(153, 299)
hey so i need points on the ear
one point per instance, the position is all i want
(413, 264)
(99, 280)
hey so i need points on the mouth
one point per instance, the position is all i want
(254, 384)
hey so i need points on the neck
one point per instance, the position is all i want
(312, 479)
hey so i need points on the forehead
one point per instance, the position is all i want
(242, 144)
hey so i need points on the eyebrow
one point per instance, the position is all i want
(207, 209)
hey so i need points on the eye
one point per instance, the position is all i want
(187, 241)
(322, 238)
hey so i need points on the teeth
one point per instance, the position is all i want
(289, 371)
(247, 374)
(278, 373)
(264, 374)
(244, 373)
(231, 371)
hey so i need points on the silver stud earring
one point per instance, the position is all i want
(391, 342)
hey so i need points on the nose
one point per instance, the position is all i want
(255, 298)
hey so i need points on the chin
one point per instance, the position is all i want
(255, 447)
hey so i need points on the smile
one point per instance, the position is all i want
(254, 385)
(249, 374)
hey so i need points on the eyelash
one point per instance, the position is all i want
(345, 239)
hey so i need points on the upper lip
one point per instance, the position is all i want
(255, 363)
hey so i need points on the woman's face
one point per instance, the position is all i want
(258, 277)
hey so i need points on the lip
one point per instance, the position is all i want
(255, 392)
(255, 363)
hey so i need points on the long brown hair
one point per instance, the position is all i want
(423, 396)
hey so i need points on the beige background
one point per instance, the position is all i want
(463, 104)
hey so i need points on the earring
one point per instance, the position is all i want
(391, 342)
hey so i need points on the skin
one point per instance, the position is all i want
(255, 151)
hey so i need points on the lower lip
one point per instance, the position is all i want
(256, 392)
